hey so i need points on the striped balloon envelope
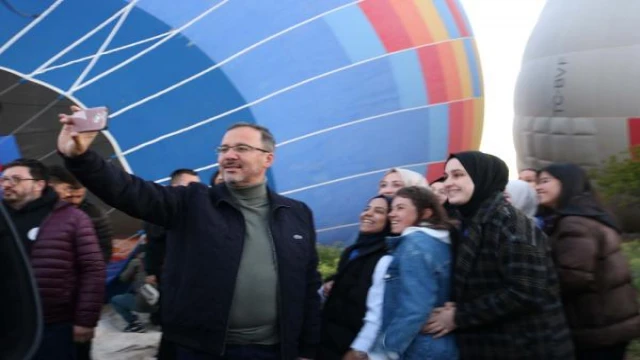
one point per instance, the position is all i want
(576, 98)
(349, 88)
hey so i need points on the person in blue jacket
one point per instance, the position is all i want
(418, 278)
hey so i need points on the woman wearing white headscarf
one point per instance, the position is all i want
(397, 178)
(522, 197)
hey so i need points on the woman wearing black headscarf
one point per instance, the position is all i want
(505, 286)
(595, 280)
(345, 331)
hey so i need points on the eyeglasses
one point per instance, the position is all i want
(240, 149)
(14, 180)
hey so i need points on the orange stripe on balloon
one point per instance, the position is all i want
(431, 18)
(387, 24)
(413, 23)
(434, 77)
(469, 115)
(450, 70)
(464, 74)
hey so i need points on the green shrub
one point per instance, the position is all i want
(328, 257)
(632, 250)
(618, 181)
(620, 176)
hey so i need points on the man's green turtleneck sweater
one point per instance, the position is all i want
(254, 312)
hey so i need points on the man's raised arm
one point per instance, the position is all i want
(139, 198)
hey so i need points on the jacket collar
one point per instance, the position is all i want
(219, 194)
(440, 235)
(363, 252)
(49, 198)
(489, 208)
(61, 204)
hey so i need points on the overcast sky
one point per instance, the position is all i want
(502, 28)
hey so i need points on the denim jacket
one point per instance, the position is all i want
(417, 281)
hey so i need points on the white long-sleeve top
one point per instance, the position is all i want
(375, 299)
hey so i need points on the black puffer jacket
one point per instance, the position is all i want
(102, 224)
(344, 311)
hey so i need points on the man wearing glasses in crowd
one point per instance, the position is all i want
(240, 276)
(63, 251)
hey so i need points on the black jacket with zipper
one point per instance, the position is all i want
(102, 224)
(344, 311)
(205, 236)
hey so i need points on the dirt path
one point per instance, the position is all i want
(111, 343)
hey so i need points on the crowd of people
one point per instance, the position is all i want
(471, 266)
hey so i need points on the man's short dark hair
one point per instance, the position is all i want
(268, 141)
(37, 170)
(58, 174)
(177, 173)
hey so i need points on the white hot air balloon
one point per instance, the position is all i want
(577, 95)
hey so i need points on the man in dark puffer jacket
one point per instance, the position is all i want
(64, 254)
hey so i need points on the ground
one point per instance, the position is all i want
(111, 343)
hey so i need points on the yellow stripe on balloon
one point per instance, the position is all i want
(431, 18)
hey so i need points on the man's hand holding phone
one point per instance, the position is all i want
(80, 129)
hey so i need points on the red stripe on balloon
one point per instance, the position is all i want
(434, 171)
(456, 127)
(387, 24)
(457, 16)
(634, 131)
(433, 74)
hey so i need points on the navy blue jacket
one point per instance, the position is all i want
(205, 236)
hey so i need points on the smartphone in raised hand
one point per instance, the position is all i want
(90, 120)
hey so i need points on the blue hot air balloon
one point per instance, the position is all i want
(349, 88)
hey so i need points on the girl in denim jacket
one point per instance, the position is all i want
(417, 280)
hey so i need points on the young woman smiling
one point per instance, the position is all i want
(418, 278)
(505, 285)
(351, 314)
(598, 296)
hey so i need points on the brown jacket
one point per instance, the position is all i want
(599, 299)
